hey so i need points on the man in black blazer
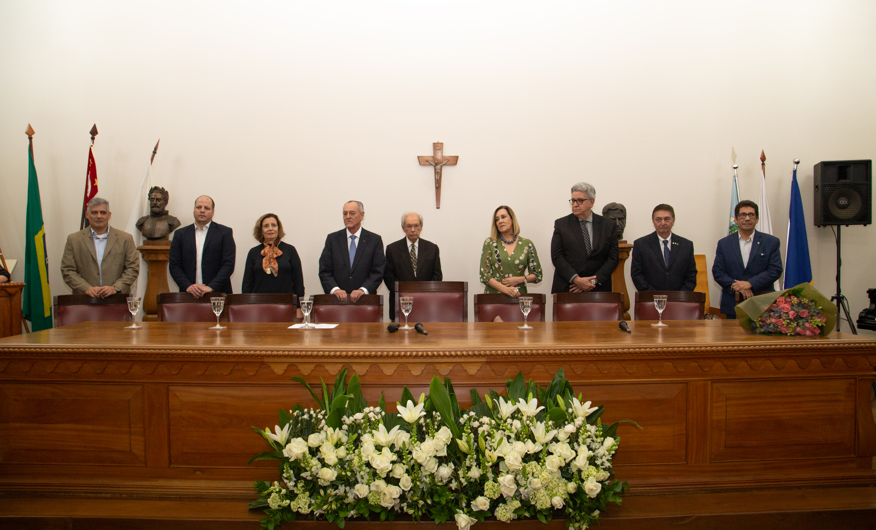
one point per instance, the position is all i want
(352, 260)
(202, 254)
(584, 246)
(663, 261)
(400, 259)
(747, 261)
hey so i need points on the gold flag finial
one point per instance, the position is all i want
(29, 132)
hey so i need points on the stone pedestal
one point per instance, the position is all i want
(618, 281)
(156, 258)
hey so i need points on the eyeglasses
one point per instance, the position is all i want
(579, 202)
(410, 227)
(746, 215)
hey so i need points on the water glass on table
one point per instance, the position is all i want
(660, 305)
(218, 305)
(525, 308)
(133, 307)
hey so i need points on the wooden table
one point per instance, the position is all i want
(166, 411)
(10, 309)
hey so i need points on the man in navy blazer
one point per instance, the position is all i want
(747, 261)
(352, 261)
(663, 261)
(202, 254)
(583, 265)
(400, 259)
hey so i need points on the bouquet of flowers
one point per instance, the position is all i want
(801, 310)
(532, 453)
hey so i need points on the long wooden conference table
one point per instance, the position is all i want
(165, 411)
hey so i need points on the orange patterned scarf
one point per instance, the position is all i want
(269, 263)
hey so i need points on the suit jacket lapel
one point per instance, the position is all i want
(89, 242)
(657, 247)
(360, 246)
(755, 246)
(734, 242)
(597, 241)
(111, 239)
(575, 227)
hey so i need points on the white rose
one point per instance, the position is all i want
(402, 438)
(570, 428)
(563, 451)
(381, 462)
(463, 522)
(562, 435)
(295, 449)
(368, 449)
(331, 460)
(420, 456)
(592, 488)
(474, 473)
(440, 448)
(361, 490)
(580, 461)
(444, 435)
(327, 448)
(443, 473)
(607, 443)
(405, 482)
(378, 485)
(557, 502)
(507, 485)
(428, 447)
(386, 500)
(516, 425)
(514, 462)
(315, 439)
(519, 448)
(431, 465)
(393, 491)
(532, 448)
(327, 474)
(398, 470)
(571, 487)
(553, 463)
(481, 504)
(534, 483)
(341, 452)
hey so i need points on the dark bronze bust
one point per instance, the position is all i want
(618, 212)
(157, 226)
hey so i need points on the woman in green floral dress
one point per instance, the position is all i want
(508, 261)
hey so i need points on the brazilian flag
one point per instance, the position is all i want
(37, 303)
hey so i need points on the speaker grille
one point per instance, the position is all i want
(844, 202)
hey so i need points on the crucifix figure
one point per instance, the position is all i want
(438, 160)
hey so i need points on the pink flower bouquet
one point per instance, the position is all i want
(798, 311)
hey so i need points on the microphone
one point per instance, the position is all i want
(392, 328)
(623, 325)
(420, 329)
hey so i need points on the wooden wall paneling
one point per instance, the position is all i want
(699, 394)
(866, 424)
(157, 420)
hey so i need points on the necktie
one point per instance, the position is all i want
(414, 258)
(587, 246)
(352, 250)
(666, 252)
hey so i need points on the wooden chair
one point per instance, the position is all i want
(434, 301)
(680, 305)
(577, 307)
(183, 307)
(75, 308)
(489, 306)
(327, 308)
(261, 307)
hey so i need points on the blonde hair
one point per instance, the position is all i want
(257, 231)
(515, 227)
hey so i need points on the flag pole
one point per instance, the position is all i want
(29, 132)
(93, 133)
(154, 152)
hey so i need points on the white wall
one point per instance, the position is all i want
(295, 107)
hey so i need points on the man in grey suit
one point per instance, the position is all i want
(100, 261)
(411, 258)
(352, 261)
(663, 261)
(584, 246)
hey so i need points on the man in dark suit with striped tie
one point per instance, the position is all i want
(411, 259)
(584, 246)
(352, 262)
(663, 261)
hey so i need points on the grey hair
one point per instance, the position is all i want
(97, 201)
(585, 187)
(409, 213)
(358, 203)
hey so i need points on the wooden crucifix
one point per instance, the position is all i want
(438, 160)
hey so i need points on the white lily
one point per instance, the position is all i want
(384, 438)
(282, 435)
(582, 411)
(411, 413)
(539, 432)
(529, 409)
(506, 409)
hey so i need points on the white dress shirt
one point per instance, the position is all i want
(200, 237)
(358, 235)
(99, 248)
(745, 247)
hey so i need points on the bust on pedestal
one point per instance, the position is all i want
(618, 212)
(156, 229)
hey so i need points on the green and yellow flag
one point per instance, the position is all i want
(37, 303)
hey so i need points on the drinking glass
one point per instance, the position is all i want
(407, 304)
(525, 307)
(306, 308)
(218, 305)
(660, 304)
(133, 307)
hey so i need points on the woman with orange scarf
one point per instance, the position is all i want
(272, 266)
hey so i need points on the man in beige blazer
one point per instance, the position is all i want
(100, 261)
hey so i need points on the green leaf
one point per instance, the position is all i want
(265, 436)
(382, 403)
(516, 388)
(257, 504)
(340, 381)
(441, 399)
(475, 397)
(557, 415)
(267, 455)
(394, 419)
(301, 380)
(407, 396)
(325, 395)
(481, 410)
(611, 430)
(336, 413)
(556, 385)
(285, 418)
(354, 389)
(454, 403)
(591, 419)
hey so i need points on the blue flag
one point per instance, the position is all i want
(798, 269)
(734, 200)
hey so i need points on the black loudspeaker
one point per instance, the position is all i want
(844, 193)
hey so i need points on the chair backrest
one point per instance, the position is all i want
(76, 308)
(574, 307)
(702, 276)
(327, 308)
(261, 307)
(183, 307)
(434, 301)
(680, 305)
(489, 306)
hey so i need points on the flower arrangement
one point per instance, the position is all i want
(799, 311)
(532, 453)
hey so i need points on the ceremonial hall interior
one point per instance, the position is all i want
(296, 108)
